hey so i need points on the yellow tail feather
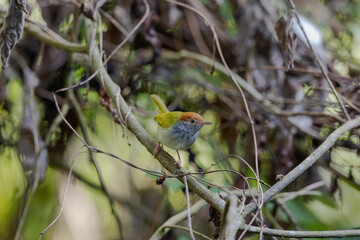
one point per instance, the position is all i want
(159, 103)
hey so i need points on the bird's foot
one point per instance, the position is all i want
(157, 149)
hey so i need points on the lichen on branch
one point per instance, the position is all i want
(12, 29)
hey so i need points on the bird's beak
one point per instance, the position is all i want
(206, 123)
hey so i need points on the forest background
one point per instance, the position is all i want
(78, 131)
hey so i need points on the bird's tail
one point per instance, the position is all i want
(159, 103)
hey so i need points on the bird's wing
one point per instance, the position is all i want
(165, 120)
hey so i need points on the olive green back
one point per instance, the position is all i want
(165, 120)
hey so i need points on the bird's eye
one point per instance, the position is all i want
(192, 121)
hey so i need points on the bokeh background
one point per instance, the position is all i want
(171, 55)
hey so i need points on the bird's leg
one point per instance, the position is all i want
(179, 161)
(157, 149)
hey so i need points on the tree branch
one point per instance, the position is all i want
(303, 234)
(46, 35)
(83, 127)
(141, 134)
(306, 164)
(319, 61)
(162, 230)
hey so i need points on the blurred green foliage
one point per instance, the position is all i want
(143, 205)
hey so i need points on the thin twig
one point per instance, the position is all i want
(187, 229)
(188, 208)
(144, 212)
(93, 149)
(196, 33)
(259, 202)
(113, 21)
(56, 122)
(103, 64)
(311, 114)
(82, 123)
(306, 164)
(162, 230)
(135, 127)
(306, 190)
(351, 104)
(64, 194)
(101, 180)
(304, 234)
(247, 226)
(292, 5)
(233, 171)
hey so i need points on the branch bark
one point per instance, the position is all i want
(304, 234)
(141, 134)
(306, 164)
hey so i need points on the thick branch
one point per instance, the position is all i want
(135, 127)
(306, 164)
(46, 35)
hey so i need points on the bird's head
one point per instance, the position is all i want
(166, 120)
(193, 119)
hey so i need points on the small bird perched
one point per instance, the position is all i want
(177, 130)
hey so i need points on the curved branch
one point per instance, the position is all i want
(46, 35)
(83, 127)
(141, 134)
(306, 164)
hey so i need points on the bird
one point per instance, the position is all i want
(177, 130)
